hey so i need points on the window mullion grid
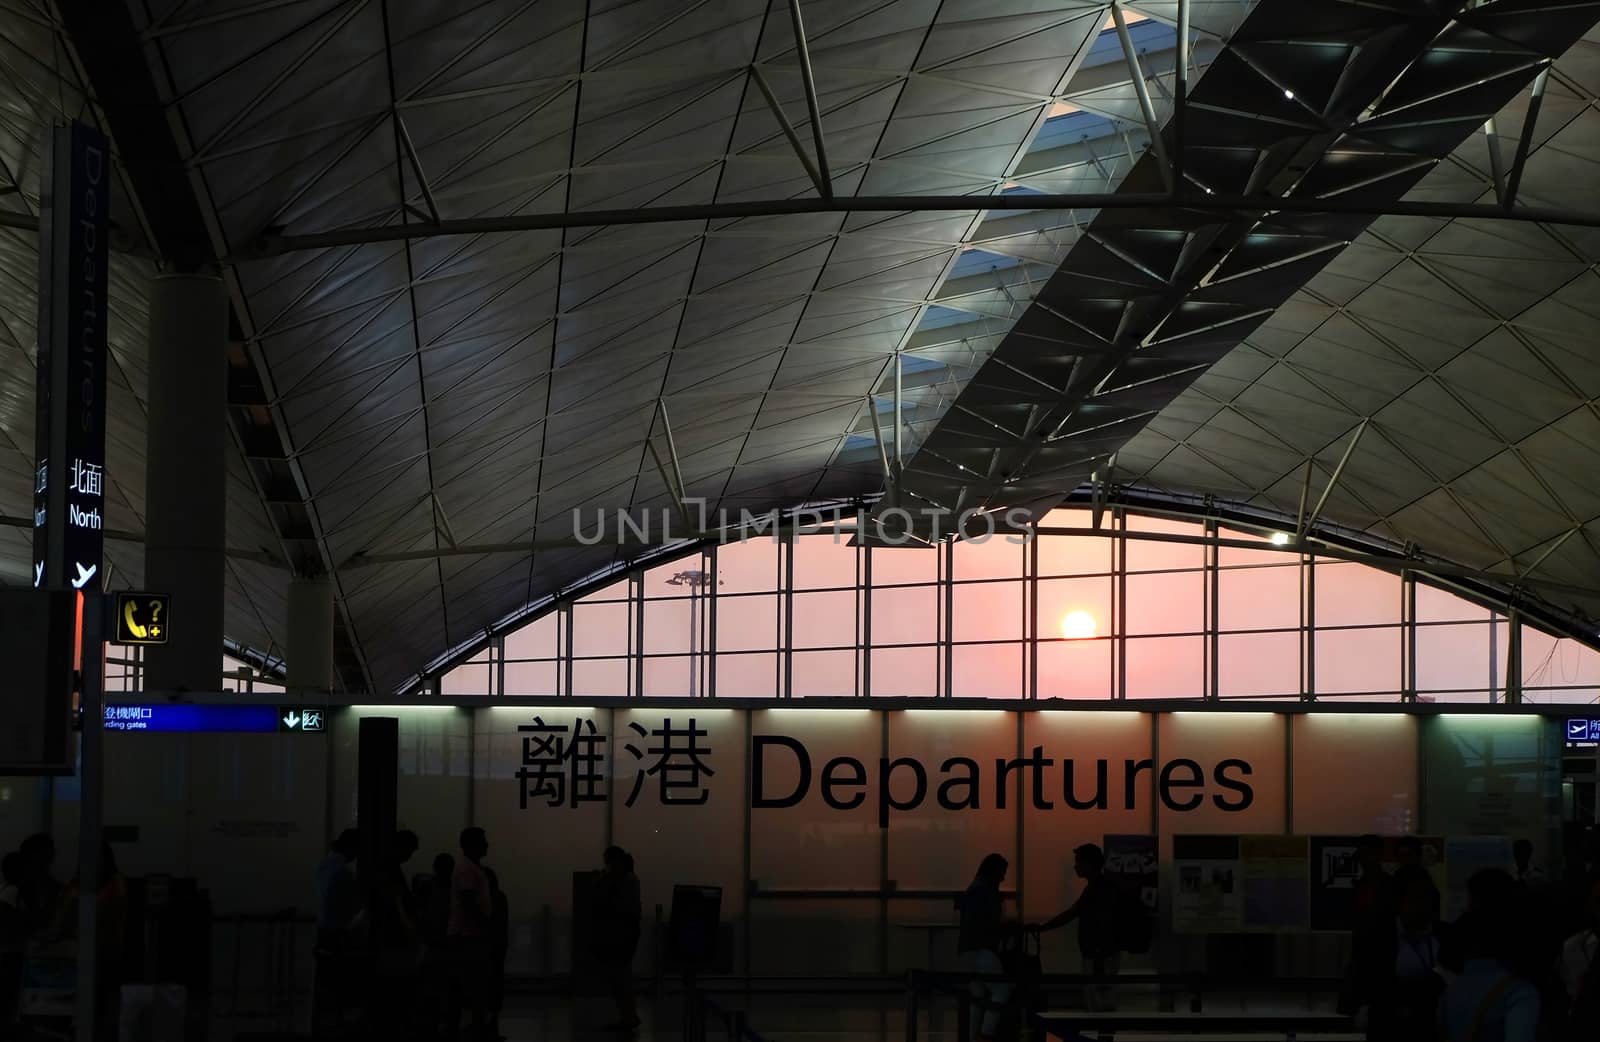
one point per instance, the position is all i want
(709, 676)
(636, 631)
(1308, 608)
(786, 579)
(859, 602)
(1119, 606)
(1031, 550)
(1211, 610)
(564, 671)
(499, 645)
(1408, 622)
(947, 558)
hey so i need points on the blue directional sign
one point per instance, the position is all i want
(216, 719)
(305, 719)
(1583, 731)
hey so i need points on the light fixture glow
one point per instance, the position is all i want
(1077, 625)
(1280, 539)
(1289, 94)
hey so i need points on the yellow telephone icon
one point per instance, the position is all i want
(133, 625)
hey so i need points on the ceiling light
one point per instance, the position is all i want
(1289, 94)
(1280, 539)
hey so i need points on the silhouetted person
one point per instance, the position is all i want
(1095, 912)
(471, 907)
(40, 890)
(1396, 972)
(13, 939)
(1489, 1001)
(1527, 872)
(395, 984)
(339, 895)
(111, 918)
(978, 942)
(1372, 902)
(433, 900)
(1410, 869)
(499, 947)
(618, 925)
(339, 908)
(1580, 972)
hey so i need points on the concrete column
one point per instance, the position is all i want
(309, 658)
(186, 477)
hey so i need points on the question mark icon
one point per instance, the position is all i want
(155, 618)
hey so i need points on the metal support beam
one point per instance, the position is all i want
(1305, 497)
(1525, 141)
(1102, 482)
(666, 479)
(899, 388)
(804, 54)
(1197, 202)
(416, 165)
(1497, 166)
(1180, 94)
(823, 188)
(877, 436)
(442, 520)
(672, 451)
(1333, 481)
(1142, 91)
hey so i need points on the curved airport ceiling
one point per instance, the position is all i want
(436, 360)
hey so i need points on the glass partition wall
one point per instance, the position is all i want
(1147, 608)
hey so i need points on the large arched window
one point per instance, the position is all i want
(1144, 608)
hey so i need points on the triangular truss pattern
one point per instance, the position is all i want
(420, 415)
(1468, 347)
(1220, 352)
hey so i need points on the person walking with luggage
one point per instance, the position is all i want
(619, 919)
(978, 944)
(1095, 912)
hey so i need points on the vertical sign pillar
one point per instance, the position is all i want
(69, 474)
(70, 400)
(310, 649)
(186, 477)
(377, 773)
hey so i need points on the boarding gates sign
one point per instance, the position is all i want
(784, 760)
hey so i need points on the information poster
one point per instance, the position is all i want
(1132, 862)
(1275, 877)
(1464, 857)
(1207, 898)
(1334, 871)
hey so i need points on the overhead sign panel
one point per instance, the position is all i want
(70, 409)
(216, 719)
(142, 618)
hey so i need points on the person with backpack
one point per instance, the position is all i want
(1489, 1001)
(978, 944)
(1580, 972)
(1098, 912)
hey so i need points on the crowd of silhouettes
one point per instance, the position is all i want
(37, 908)
(1517, 965)
(1521, 963)
(427, 960)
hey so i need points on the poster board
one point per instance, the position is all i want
(1274, 875)
(1335, 870)
(1133, 864)
(1206, 897)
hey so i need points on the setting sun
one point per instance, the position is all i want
(1077, 625)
